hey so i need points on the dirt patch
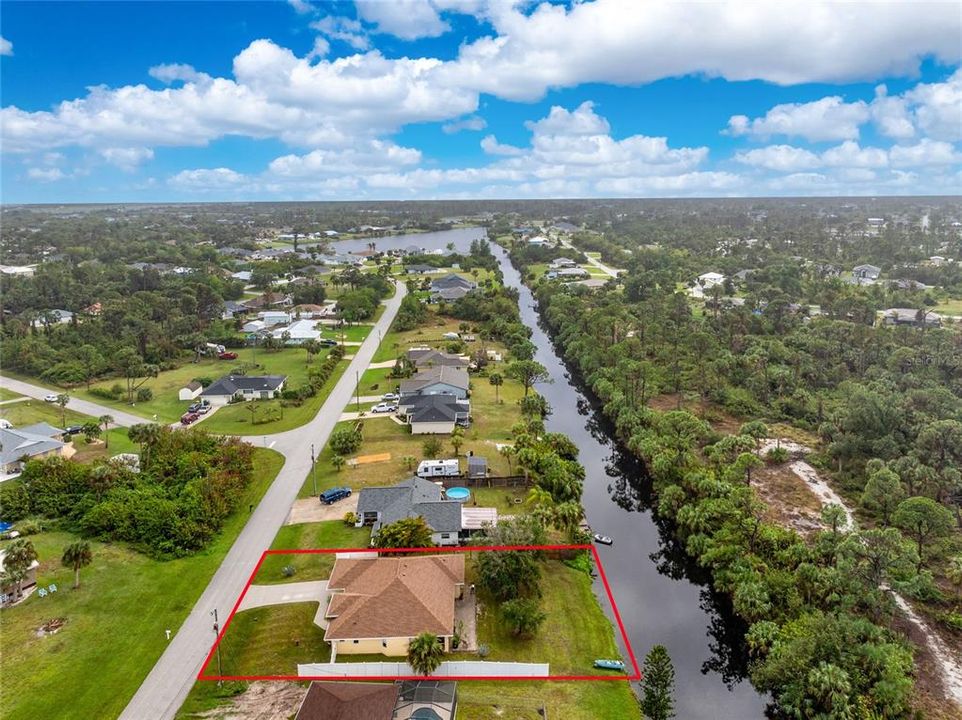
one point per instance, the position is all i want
(51, 627)
(261, 701)
(790, 502)
(310, 510)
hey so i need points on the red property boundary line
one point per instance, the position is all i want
(635, 675)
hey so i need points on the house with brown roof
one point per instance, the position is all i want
(379, 604)
(349, 701)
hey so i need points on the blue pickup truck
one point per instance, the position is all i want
(329, 497)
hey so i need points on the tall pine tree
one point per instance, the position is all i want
(658, 683)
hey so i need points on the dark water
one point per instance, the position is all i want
(662, 597)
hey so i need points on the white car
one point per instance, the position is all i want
(390, 397)
(384, 408)
(52, 397)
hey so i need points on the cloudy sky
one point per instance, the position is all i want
(397, 99)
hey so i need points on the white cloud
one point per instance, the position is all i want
(377, 155)
(207, 179)
(173, 72)
(127, 159)
(321, 48)
(491, 146)
(472, 122)
(850, 155)
(46, 174)
(938, 107)
(406, 19)
(891, 115)
(344, 29)
(301, 7)
(926, 152)
(830, 118)
(620, 42)
(781, 158)
(6, 47)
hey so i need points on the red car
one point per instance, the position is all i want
(228, 356)
(188, 418)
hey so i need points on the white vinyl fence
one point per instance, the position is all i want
(460, 668)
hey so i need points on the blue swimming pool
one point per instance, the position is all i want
(458, 493)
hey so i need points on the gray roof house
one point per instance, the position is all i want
(437, 381)
(452, 280)
(911, 316)
(429, 357)
(866, 272)
(33, 442)
(433, 414)
(243, 387)
(414, 497)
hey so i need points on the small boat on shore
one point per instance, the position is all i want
(603, 539)
(610, 665)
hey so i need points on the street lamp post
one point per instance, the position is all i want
(357, 389)
(220, 671)
(313, 476)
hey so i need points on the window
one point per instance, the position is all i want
(384, 643)
(445, 536)
(356, 641)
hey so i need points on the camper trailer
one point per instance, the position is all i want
(438, 468)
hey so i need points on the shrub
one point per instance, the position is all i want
(29, 527)
(288, 571)
(345, 441)
(350, 518)
(777, 456)
(14, 500)
(145, 394)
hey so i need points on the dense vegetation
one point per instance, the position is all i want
(188, 484)
(887, 404)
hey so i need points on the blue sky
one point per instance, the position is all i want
(183, 101)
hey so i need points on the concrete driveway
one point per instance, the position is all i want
(310, 510)
(288, 593)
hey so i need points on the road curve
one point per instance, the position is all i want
(124, 419)
(165, 687)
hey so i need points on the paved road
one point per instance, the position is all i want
(121, 418)
(164, 689)
(594, 261)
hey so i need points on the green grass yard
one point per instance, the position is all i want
(309, 536)
(949, 306)
(272, 640)
(115, 622)
(7, 394)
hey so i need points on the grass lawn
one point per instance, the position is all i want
(949, 307)
(272, 640)
(30, 412)
(235, 419)
(165, 405)
(354, 333)
(115, 622)
(570, 647)
(329, 534)
(7, 394)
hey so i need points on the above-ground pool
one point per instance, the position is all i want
(458, 493)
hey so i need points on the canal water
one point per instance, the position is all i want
(662, 597)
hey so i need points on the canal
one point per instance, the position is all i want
(663, 597)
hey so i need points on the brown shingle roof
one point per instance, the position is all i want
(348, 701)
(393, 597)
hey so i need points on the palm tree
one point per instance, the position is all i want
(954, 573)
(77, 555)
(312, 347)
(457, 440)
(425, 653)
(497, 379)
(338, 462)
(62, 400)
(19, 557)
(106, 420)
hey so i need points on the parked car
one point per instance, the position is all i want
(327, 342)
(203, 409)
(390, 397)
(384, 407)
(194, 407)
(187, 418)
(52, 397)
(73, 430)
(329, 497)
(227, 356)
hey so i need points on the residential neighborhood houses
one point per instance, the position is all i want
(233, 388)
(33, 442)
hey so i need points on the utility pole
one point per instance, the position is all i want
(220, 671)
(357, 390)
(313, 476)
